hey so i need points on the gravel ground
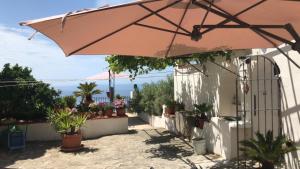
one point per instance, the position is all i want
(143, 147)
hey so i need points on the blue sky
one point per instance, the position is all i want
(41, 54)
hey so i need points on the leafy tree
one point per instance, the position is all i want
(22, 96)
(154, 95)
(86, 91)
(137, 65)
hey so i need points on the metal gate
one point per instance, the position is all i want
(258, 96)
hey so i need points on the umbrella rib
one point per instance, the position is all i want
(236, 15)
(206, 15)
(242, 26)
(280, 50)
(177, 29)
(225, 14)
(161, 29)
(122, 28)
(165, 19)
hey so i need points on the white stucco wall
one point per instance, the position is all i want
(221, 137)
(159, 121)
(192, 87)
(91, 129)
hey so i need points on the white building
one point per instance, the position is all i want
(267, 101)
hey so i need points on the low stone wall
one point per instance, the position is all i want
(91, 129)
(159, 121)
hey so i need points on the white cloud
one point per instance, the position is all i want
(44, 57)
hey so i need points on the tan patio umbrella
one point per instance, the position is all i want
(168, 28)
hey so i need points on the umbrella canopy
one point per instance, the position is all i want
(105, 76)
(167, 28)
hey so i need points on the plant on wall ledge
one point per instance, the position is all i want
(266, 150)
(202, 113)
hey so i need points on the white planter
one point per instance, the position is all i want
(199, 146)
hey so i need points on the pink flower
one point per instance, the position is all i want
(119, 103)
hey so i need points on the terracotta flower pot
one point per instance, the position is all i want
(109, 113)
(267, 165)
(170, 110)
(121, 112)
(71, 142)
(200, 123)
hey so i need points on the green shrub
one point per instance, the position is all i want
(108, 107)
(59, 103)
(154, 95)
(66, 122)
(22, 96)
(70, 101)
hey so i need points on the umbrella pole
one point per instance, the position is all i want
(109, 86)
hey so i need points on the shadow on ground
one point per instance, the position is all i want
(84, 150)
(168, 146)
(33, 150)
(135, 121)
(169, 152)
(225, 164)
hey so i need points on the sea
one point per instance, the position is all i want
(121, 89)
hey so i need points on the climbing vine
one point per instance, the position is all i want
(137, 65)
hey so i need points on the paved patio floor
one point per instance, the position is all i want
(143, 147)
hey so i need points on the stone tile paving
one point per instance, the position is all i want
(143, 147)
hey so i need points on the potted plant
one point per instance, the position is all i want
(266, 150)
(70, 101)
(108, 110)
(120, 106)
(94, 109)
(170, 107)
(68, 125)
(201, 111)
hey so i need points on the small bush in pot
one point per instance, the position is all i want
(266, 150)
(68, 125)
(170, 109)
(108, 110)
(94, 107)
(120, 106)
(202, 111)
(70, 101)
